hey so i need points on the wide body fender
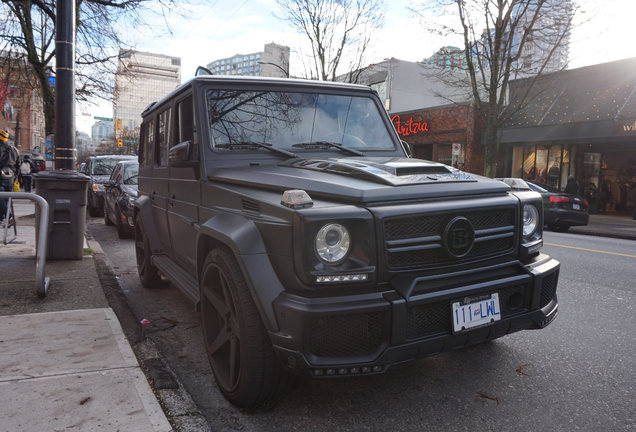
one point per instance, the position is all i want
(143, 207)
(242, 237)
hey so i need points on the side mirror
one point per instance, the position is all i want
(180, 155)
(407, 147)
(109, 183)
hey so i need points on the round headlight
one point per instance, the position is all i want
(332, 243)
(530, 219)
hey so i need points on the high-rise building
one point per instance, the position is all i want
(102, 129)
(273, 61)
(448, 57)
(546, 47)
(142, 78)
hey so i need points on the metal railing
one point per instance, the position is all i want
(41, 281)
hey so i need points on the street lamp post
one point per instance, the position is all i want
(285, 72)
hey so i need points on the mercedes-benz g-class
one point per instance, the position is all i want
(292, 216)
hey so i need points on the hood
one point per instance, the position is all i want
(99, 178)
(362, 180)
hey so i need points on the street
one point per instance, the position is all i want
(577, 374)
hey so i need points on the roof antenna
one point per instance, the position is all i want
(202, 71)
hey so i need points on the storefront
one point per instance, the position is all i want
(448, 134)
(580, 123)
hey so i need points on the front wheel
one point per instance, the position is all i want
(239, 350)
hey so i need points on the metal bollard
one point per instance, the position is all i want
(41, 281)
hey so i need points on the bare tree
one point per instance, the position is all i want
(504, 40)
(27, 35)
(339, 33)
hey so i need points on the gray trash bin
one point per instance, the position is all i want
(65, 192)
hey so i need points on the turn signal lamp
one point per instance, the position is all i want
(296, 199)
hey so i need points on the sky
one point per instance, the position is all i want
(217, 29)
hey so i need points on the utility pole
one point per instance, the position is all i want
(65, 152)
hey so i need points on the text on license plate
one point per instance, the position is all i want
(576, 207)
(476, 313)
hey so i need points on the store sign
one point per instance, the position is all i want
(410, 127)
(629, 127)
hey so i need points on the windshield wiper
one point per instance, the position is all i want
(322, 144)
(257, 144)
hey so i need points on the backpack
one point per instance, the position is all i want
(25, 168)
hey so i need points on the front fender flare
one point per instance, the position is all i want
(242, 237)
(143, 208)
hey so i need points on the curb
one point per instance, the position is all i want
(179, 408)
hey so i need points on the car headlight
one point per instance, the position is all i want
(530, 219)
(97, 187)
(332, 243)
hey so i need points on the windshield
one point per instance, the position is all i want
(295, 121)
(131, 173)
(103, 166)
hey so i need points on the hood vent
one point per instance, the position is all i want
(421, 170)
(250, 206)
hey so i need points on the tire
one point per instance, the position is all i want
(92, 210)
(122, 232)
(148, 273)
(107, 221)
(239, 350)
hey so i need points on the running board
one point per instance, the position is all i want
(182, 279)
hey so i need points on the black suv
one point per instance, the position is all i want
(292, 216)
(99, 169)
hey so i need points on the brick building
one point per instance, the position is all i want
(21, 107)
(450, 134)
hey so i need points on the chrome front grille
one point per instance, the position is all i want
(416, 241)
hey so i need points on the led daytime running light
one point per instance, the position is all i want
(361, 277)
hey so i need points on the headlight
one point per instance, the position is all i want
(530, 219)
(332, 243)
(98, 187)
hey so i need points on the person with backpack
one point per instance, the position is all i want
(8, 159)
(27, 168)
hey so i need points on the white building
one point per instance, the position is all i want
(142, 78)
(273, 61)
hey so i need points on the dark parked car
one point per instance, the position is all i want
(119, 197)
(99, 169)
(561, 210)
(289, 212)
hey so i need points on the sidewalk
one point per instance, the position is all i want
(609, 225)
(65, 363)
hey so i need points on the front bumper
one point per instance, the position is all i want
(367, 333)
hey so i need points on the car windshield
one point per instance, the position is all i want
(131, 174)
(295, 121)
(103, 166)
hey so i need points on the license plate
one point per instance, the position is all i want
(576, 207)
(470, 313)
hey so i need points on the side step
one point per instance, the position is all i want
(182, 279)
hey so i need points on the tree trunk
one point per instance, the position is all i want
(491, 145)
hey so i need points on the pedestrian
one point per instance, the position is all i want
(572, 187)
(8, 159)
(27, 168)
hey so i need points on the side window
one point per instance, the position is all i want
(185, 128)
(148, 142)
(163, 137)
(185, 121)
